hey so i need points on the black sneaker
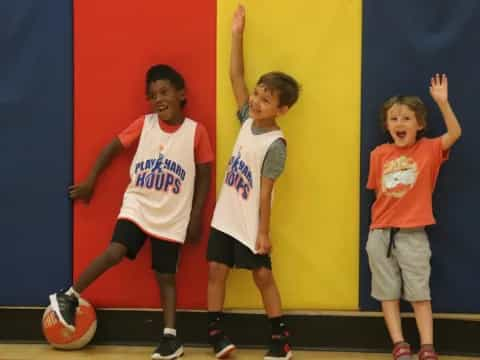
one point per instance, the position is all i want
(65, 307)
(170, 348)
(279, 348)
(222, 346)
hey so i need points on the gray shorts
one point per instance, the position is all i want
(406, 273)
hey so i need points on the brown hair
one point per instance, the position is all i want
(284, 85)
(414, 103)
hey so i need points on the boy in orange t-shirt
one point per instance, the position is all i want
(403, 175)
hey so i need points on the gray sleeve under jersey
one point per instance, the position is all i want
(276, 155)
(242, 113)
(275, 159)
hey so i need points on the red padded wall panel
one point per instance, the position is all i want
(114, 44)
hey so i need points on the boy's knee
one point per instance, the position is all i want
(114, 254)
(217, 271)
(263, 277)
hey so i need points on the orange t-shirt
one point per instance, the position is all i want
(404, 180)
(203, 149)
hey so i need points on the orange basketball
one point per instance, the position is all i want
(62, 338)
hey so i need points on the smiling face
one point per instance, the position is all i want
(264, 104)
(402, 125)
(165, 100)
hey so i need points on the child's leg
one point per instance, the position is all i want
(168, 294)
(127, 240)
(391, 313)
(279, 347)
(387, 286)
(424, 318)
(220, 257)
(265, 282)
(414, 257)
(110, 257)
(217, 277)
(165, 261)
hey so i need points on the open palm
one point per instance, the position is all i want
(238, 23)
(439, 88)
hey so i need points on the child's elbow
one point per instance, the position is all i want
(457, 134)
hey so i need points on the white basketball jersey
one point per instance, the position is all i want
(237, 212)
(162, 177)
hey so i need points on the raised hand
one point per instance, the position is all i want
(439, 88)
(82, 191)
(238, 23)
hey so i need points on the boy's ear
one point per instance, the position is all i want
(181, 94)
(282, 110)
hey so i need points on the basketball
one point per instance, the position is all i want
(62, 338)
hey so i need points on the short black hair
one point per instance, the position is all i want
(165, 72)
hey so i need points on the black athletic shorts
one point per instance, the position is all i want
(225, 249)
(165, 254)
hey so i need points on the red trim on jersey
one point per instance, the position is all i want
(131, 133)
(202, 146)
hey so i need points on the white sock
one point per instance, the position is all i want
(170, 331)
(72, 291)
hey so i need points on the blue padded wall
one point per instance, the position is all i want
(35, 149)
(403, 44)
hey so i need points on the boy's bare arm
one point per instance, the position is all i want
(202, 187)
(237, 75)
(263, 244)
(84, 190)
(439, 92)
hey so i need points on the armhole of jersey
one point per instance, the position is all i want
(247, 122)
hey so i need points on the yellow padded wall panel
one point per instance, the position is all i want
(315, 213)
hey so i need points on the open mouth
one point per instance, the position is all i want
(161, 107)
(401, 134)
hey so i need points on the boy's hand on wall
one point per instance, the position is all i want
(82, 191)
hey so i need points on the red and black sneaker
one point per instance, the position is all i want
(221, 344)
(65, 307)
(279, 348)
(170, 348)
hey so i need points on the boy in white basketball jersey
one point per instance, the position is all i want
(240, 226)
(170, 177)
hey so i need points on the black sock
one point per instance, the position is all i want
(214, 318)
(278, 325)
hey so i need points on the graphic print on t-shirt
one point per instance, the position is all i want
(239, 175)
(399, 176)
(161, 174)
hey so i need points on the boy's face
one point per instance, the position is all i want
(402, 125)
(165, 99)
(264, 104)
